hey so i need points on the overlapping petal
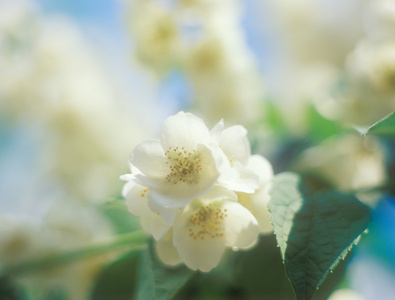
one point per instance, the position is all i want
(235, 144)
(184, 130)
(150, 159)
(197, 251)
(241, 227)
(166, 250)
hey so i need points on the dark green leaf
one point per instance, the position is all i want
(260, 273)
(117, 280)
(156, 281)
(314, 230)
(8, 291)
(385, 126)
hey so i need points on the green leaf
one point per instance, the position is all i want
(118, 214)
(320, 128)
(274, 118)
(117, 280)
(156, 281)
(385, 126)
(314, 229)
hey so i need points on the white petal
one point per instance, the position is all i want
(134, 169)
(135, 198)
(126, 177)
(239, 179)
(261, 167)
(154, 224)
(181, 193)
(184, 130)
(203, 253)
(150, 159)
(216, 132)
(259, 209)
(241, 227)
(235, 144)
(168, 213)
(219, 193)
(165, 250)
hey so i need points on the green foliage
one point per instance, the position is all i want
(320, 128)
(259, 271)
(120, 218)
(156, 281)
(385, 126)
(8, 291)
(314, 229)
(274, 119)
(117, 280)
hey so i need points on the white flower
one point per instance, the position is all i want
(154, 219)
(181, 166)
(156, 35)
(206, 227)
(257, 202)
(235, 146)
(349, 162)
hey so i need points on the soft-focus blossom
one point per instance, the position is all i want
(49, 77)
(308, 29)
(205, 42)
(68, 226)
(367, 82)
(380, 20)
(349, 162)
(157, 42)
(345, 294)
(362, 93)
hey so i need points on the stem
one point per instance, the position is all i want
(135, 240)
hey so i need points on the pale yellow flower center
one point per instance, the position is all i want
(207, 222)
(184, 166)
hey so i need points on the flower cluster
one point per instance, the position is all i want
(198, 191)
(205, 42)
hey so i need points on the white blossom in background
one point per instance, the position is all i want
(363, 92)
(380, 20)
(308, 29)
(197, 204)
(368, 88)
(349, 162)
(157, 42)
(346, 294)
(204, 41)
(50, 78)
(68, 226)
